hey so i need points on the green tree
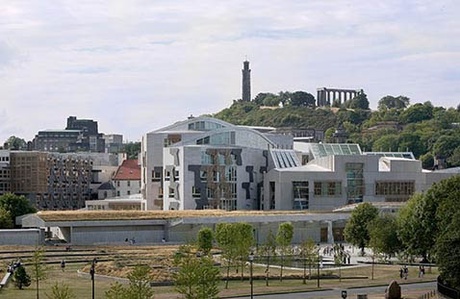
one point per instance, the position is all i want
(416, 226)
(205, 238)
(309, 254)
(16, 205)
(132, 149)
(139, 283)
(138, 287)
(268, 249)
(39, 269)
(339, 255)
(283, 240)
(20, 277)
(358, 102)
(226, 241)
(427, 161)
(448, 252)
(383, 233)
(197, 277)
(386, 143)
(356, 230)
(61, 291)
(116, 291)
(389, 102)
(6, 220)
(417, 113)
(15, 143)
(302, 99)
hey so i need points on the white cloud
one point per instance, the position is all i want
(137, 65)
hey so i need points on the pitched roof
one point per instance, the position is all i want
(129, 170)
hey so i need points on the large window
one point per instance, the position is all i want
(328, 189)
(300, 192)
(355, 182)
(394, 188)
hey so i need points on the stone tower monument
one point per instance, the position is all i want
(246, 81)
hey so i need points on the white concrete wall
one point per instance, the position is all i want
(34, 237)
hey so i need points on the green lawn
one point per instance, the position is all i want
(81, 284)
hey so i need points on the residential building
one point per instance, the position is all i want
(127, 179)
(58, 181)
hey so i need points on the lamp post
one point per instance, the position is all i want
(92, 272)
(319, 262)
(251, 260)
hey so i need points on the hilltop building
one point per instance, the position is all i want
(327, 96)
(246, 95)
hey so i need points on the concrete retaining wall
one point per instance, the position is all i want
(35, 237)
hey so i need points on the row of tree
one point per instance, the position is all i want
(428, 226)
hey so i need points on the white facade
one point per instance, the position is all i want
(333, 179)
(205, 163)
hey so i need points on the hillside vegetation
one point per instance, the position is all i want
(431, 133)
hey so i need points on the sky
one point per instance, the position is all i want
(135, 66)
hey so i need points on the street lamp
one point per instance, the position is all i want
(92, 272)
(319, 262)
(251, 260)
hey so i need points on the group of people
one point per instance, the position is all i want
(404, 271)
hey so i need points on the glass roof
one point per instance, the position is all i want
(329, 149)
(285, 158)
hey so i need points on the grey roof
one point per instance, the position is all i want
(106, 186)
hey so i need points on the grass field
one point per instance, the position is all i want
(120, 259)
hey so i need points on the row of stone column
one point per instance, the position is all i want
(326, 97)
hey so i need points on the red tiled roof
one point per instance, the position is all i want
(128, 170)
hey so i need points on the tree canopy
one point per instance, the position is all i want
(357, 228)
(15, 205)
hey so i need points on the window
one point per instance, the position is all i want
(129, 183)
(203, 175)
(330, 189)
(129, 192)
(196, 192)
(230, 173)
(404, 188)
(118, 183)
(171, 192)
(300, 195)
(156, 175)
(355, 182)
